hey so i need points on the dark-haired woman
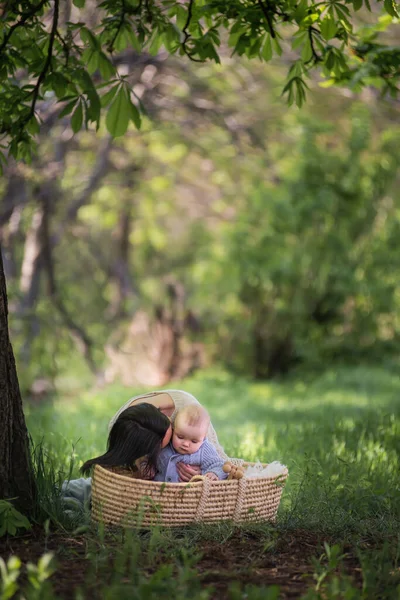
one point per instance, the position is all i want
(139, 429)
(142, 427)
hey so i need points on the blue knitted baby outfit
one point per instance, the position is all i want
(206, 456)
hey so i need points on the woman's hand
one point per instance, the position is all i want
(186, 472)
(145, 472)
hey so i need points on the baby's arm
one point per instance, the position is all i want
(212, 463)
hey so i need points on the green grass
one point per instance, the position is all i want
(338, 432)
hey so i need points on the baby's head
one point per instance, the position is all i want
(190, 428)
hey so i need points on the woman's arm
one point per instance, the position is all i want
(162, 401)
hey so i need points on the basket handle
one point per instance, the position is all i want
(242, 484)
(204, 496)
(241, 492)
(197, 478)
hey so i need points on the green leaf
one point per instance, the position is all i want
(119, 113)
(77, 117)
(136, 45)
(67, 108)
(328, 28)
(343, 15)
(391, 8)
(91, 59)
(108, 96)
(300, 93)
(134, 115)
(79, 3)
(266, 51)
(121, 41)
(241, 44)
(107, 69)
(88, 38)
(277, 47)
(357, 4)
(59, 84)
(301, 11)
(298, 39)
(306, 53)
(181, 16)
(234, 36)
(171, 38)
(155, 42)
(93, 106)
(33, 125)
(254, 49)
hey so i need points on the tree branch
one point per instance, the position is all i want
(316, 56)
(187, 34)
(48, 59)
(82, 339)
(96, 176)
(267, 14)
(121, 21)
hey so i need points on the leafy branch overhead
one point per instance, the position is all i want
(52, 51)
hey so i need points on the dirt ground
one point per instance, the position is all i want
(243, 559)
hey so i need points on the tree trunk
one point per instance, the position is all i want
(16, 475)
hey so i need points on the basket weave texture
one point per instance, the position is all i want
(120, 499)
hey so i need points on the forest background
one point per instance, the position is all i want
(231, 228)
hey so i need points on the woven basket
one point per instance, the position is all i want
(120, 499)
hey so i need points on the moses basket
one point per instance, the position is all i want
(118, 498)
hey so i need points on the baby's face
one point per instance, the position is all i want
(187, 439)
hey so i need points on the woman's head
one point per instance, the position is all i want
(140, 430)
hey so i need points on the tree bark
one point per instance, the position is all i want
(16, 474)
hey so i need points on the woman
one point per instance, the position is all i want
(142, 427)
(138, 431)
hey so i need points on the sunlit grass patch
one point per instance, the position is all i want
(338, 432)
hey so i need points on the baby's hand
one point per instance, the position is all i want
(211, 476)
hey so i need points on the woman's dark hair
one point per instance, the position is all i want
(138, 431)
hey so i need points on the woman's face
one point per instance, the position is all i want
(167, 437)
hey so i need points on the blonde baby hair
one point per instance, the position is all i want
(193, 414)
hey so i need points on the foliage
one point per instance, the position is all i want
(306, 207)
(50, 509)
(310, 256)
(37, 588)
(9, 576)
(11, 520)
(48, 54)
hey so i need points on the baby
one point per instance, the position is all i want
(190, 446)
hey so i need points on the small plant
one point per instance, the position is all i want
(327, 564)
(9, 574)
(37, 588)
(11, 520)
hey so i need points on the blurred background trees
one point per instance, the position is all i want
(230, 228)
